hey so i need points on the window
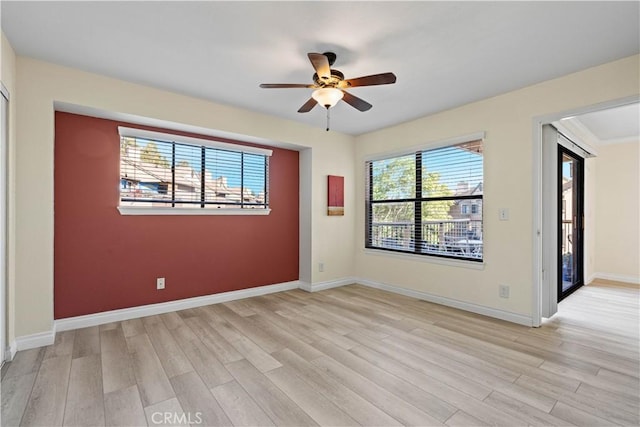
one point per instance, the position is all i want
(170, 171)
(419, 202)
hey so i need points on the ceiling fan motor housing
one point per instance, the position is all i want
(331, 81)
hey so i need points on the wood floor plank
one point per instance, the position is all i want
(462, 419)
(425, 367)
(151, 320)
(308, 399)
(86, 342)
(250, 350)
(197, 401)
(169, 352)
(618, 378)
(616, 400)
(117, 366)
(350, 402)
(124, 408)
(132, 327)
(530, 415)
(62, 346)
(109, 326)
(84, 405)
(15, 395)
(618, 385)
(47, 401)
(241, 409)
(25, 362)
(153, 384)
(411, 394)
(437, 387)
(213, 340)
(249, 327)
(240, 307)
(172, 320)
(279, 408)
(577, 417)
(168, 413)
(210, 369)
(385, 400)
(586, 404)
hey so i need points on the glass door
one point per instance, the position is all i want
(570, 221)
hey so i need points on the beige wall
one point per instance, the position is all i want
(617, 212)
(508, 162)
(40, 84)
(8, 78)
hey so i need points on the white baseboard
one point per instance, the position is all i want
(166, 307)
(321, 286)
(466, 306)
(27, 342)
(47, 338)
(634, 280)
(11, 351)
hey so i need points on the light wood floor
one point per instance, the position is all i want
(345, 356)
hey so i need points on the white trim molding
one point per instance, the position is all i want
(161, 210)
(321, 286)
(166, 307)
(47, 338)
(41, 339)
(466, 306)
(634, 280)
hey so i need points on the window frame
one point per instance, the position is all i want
(203, 144)
(417, 250)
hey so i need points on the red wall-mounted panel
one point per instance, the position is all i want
(105, 261)
(335, 195)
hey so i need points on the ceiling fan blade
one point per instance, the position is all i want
(308, 106)
(321, 64)
(355, 102)
(284, 85)
(372, 80)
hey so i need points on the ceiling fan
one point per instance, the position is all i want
(330, 85)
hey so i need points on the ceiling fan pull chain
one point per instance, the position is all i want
(328, 122)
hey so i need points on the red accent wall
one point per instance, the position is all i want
(107, 261)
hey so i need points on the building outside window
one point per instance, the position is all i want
(163, 170)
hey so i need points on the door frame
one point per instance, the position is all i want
(542, 201)
(4, 165)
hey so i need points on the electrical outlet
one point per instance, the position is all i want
(321, 267)
(160, 283)
(503, 291)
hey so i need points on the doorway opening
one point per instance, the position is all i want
(566, 255)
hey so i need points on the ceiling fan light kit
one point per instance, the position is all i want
(327, 96)
(329, 85)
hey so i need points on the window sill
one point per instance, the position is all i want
(472, 265)
(142, 210)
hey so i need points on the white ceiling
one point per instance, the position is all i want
(621, 124)
(444, 54)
